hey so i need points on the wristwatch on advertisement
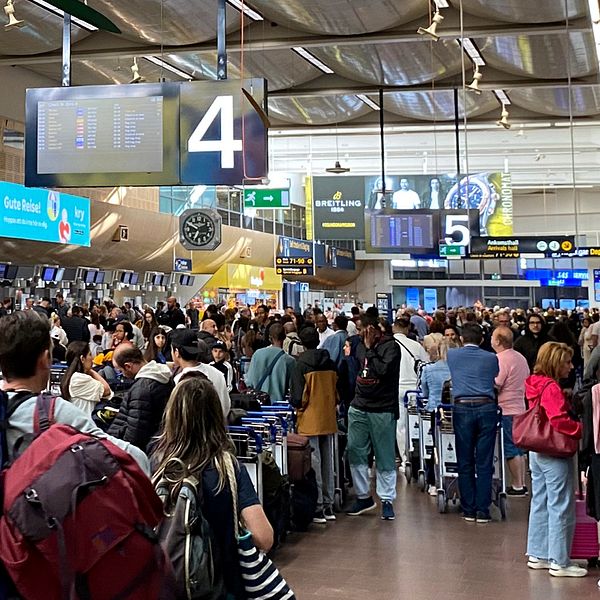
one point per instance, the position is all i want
(475, 192)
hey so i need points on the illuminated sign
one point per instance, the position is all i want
(294, 257)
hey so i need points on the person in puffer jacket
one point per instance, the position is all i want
(552, 514)
(314, 395)
(142, 408)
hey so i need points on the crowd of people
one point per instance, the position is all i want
(181, 368)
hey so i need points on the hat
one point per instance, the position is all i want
(220, 346)
(187, 340)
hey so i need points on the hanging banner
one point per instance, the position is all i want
(308, 203)
(339, 207)
(44, 215)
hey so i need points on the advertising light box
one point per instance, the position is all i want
(44, 215)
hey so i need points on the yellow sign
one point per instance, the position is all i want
(245, 277)
(308, 196)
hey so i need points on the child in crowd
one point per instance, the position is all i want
(220, 362)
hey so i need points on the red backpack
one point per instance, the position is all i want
(78, 518)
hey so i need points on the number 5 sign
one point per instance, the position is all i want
(223, 140)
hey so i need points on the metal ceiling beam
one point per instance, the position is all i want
(394, 36)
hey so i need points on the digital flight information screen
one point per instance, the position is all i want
(105, 136)
(100, 135)
(402, 232)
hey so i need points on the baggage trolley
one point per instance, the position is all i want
(249, 449)
(338, 480)
(412, 402)
(279, 429)
(446, 464)
(426, 445)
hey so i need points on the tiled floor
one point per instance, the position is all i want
(422, 555)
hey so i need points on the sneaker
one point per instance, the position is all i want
(360, 506)
(328, 512)
(387, 511)
(537, 563)
(469, 518)
(522, 492)
(432, 490)
(571, 570)
(319, 517)
(483, 518)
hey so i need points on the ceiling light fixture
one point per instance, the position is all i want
(337, 169)
(504, 122)
(472, 51)
(13, 22)
(135, 71)
(59, 13)
(312, 59)
(442, 3)
(168, 67)
(477, 77)
(431, 31)
(370, 103)
(247, 10)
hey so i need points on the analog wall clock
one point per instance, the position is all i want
(200, 229)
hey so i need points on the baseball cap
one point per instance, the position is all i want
(187, 340)
(220, 346)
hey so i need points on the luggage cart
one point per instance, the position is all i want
(446, 464)
(249, 449)
(338, 480)
(426, 444)
(279, 429)
(412, 402)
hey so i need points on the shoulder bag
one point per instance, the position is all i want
(533, 431)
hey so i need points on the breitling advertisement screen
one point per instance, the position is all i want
(488, 193)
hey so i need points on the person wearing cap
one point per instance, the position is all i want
(220, 362)
(191, 354)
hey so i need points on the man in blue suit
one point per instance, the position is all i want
(475, 420)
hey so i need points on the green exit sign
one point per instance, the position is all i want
(260, 198)
(450, 250)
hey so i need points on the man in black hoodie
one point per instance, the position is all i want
(372, 417)
(534, 336)
(313, 394)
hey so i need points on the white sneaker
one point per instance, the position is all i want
(536, 563)
(572, 570)
(432, 490)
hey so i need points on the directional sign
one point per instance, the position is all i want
(261, 198)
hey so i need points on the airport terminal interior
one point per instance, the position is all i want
(416, 156)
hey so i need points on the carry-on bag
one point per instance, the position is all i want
(299, 456)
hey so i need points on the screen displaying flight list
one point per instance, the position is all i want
(100, 135)
(402, 232)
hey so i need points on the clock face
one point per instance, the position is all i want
(198, 229)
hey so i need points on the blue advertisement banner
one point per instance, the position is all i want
(412, 297)
(429, 300)
(44, 215)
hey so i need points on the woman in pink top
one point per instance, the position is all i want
(510, 384)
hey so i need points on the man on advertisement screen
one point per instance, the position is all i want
(405, 198)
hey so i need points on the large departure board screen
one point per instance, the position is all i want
(102, 135)
(402, 232)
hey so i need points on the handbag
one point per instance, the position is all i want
(533, 431)
(260, 576)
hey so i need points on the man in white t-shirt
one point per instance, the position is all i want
(410, 351)
(405, 198)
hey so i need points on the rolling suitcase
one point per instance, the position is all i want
(585, 541)
(299, 454)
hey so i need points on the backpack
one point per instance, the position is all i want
(186, 537)
(76, 509)
(418, 364)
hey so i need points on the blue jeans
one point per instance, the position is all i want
(552, 513)
(475, 432)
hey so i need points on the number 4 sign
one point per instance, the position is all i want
(223, 140)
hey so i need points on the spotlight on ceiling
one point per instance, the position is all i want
(504, 122)
(135, 71)
(431, 31)
(477, 77)
(13, 22)
(337, 169)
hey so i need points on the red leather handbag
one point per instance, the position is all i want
(533, 431)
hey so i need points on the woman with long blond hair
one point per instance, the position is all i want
(552, 513)
(194, 434)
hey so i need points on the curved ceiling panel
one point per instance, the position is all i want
(585, 101)
(438, 106)
(183, 21)
(541, 56)
(282, 69)
(42, 32)
(341, 17)
(518, 11)
(316, 110)
(393, 64)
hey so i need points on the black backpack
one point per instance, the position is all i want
(187, 539)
